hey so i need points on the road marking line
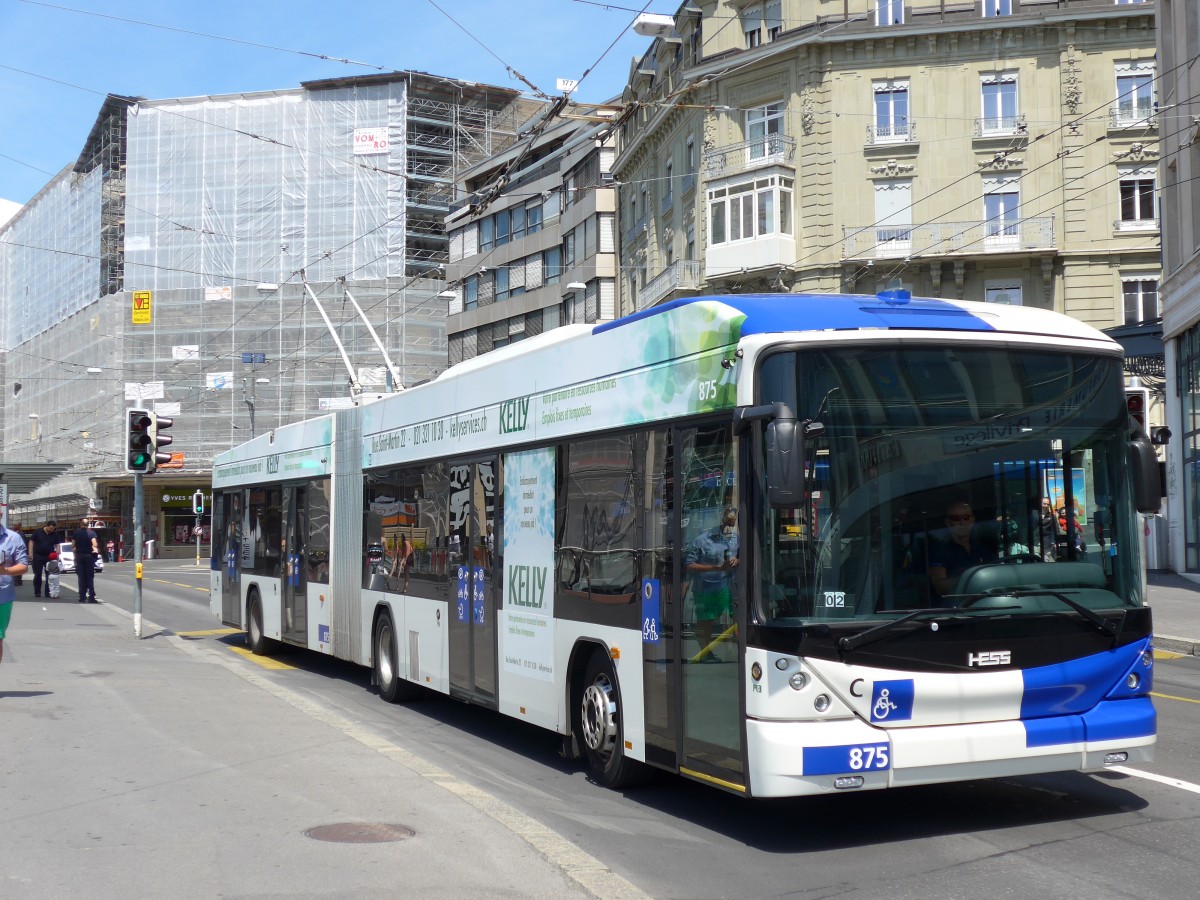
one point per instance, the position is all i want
(209, 632)
(1173, 697)
(1168, 654)
(583, 868)
(177, 584)
(265, 662)
(1161, 779)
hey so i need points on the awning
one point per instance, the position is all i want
(1139, 340)
(25, 478)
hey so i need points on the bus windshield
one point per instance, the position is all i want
(949, 477)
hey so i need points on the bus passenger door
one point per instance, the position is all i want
(474, 498)
(294, 590)
(230, 562)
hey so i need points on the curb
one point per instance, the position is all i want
(1186, 646)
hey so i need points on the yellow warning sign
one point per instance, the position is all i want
(141, 308)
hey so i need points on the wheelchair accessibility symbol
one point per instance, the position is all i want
(892, 701)
(883, 706)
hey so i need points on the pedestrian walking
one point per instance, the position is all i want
(111, 547)
(43, 542)
(14, 562)
(86, 551)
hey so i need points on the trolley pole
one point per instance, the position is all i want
(137, 554)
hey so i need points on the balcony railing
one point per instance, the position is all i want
(892, 132)
(999, 126)
(948, 238)
(688, 182)
(771, 150)
(665, 204)
(681, 275)
(1132, 117)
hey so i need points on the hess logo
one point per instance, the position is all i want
(990, 658)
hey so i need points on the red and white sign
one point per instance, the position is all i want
(368, 141)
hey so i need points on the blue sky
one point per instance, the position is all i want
(73, 58)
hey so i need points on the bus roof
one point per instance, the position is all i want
(772, 313)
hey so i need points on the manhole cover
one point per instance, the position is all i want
(360, 832)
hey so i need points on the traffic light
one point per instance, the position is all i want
(198, 503)
(158, 440)
(1137, 402)
(139, 457)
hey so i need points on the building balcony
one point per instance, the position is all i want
(948, 238)
(771, 150)
(1000, 126)
(636, 230)
(688, 183)
(904, 132)
(1132, 117)
(681, 275)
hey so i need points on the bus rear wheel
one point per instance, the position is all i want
(260, 644)
(392, 687)
(600, 728)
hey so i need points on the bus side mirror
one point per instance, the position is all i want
(1143, 466)
(786, 439)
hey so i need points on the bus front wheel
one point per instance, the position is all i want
(600, 728)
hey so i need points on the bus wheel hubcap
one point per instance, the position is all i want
(599, 716)
(383, 653)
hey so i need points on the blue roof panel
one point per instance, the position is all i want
(770, 313)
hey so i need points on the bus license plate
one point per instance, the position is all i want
(846, 759)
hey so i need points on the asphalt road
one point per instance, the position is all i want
(1107, 835)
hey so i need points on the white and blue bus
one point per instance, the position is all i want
(782, 544)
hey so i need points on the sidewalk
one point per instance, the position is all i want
(162, 768)
(1175, 604)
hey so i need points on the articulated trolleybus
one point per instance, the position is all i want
(782, 544)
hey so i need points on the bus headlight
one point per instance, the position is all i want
(821, 703)
(798, 681)
(1132, 681)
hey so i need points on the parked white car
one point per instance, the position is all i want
(66, 556)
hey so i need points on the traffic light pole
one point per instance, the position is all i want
(137, 554)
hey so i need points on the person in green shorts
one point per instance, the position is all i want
(711, 560)
(14, 562)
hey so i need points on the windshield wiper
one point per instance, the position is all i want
(853, 642)
(1103, 625)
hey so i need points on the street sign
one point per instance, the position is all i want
(142, 312)
(254, 358)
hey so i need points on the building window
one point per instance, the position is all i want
(502, 291)
(774, 19)
(999, 99)
(696, 42)
(471, 292)
(889, 12)
(1140, 293)
(762, 122)
(689, 251)
(668, 183)
(518, 222)
(533, 217)
(487, 234)
(997, 8)
(748, 210)
(1137, 199)
(1135, 92)
(893, 216)
(552, 265)
(503, 227)
(752, 26)
(891, 111)
(691, 155)
(1001, 205)
(568, 254)
(1007, 293)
